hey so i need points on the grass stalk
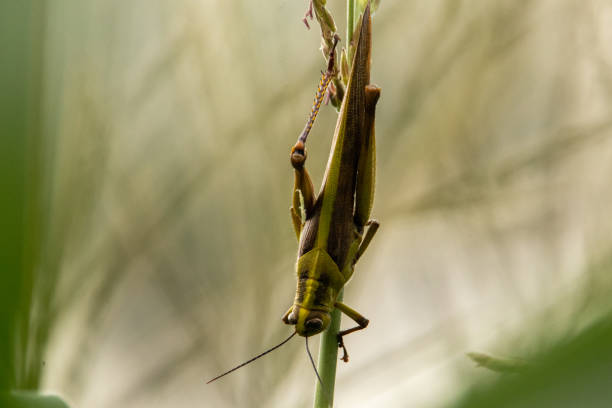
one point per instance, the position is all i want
(350, 27)
(328, 349)
(328, 359)
(350, 20)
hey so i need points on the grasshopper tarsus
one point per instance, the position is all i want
(331, 63)
(308, 15)
(345, 356)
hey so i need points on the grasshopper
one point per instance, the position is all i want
(330, 225)
(334, 227)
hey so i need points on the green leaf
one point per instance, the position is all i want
(29, 399)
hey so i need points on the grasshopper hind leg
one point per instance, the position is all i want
(303, 198)
(366, 167)
(303, 191)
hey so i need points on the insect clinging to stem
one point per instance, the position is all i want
(334, 227)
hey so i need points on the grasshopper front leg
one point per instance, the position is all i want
(285, 317)
(367, 238)
(358, 318)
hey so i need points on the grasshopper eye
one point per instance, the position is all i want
(314, 324)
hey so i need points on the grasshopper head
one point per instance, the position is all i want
(309, 322)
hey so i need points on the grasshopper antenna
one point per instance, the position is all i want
(314, 367)
(253, 359)
(326, 78)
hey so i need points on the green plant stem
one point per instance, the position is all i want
(328, 349)
(350, 28)
(328, 359)
(350, 20)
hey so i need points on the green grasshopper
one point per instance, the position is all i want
(331, 225)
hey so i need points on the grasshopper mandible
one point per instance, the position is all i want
(334, 226)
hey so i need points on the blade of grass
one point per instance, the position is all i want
(350, 20)
(350, 27)
(328, 350)
(328, 358)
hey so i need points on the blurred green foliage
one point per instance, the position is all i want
(30, 400)
(575, 372)
(19, 177)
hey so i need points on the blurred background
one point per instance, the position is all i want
(146, 188)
